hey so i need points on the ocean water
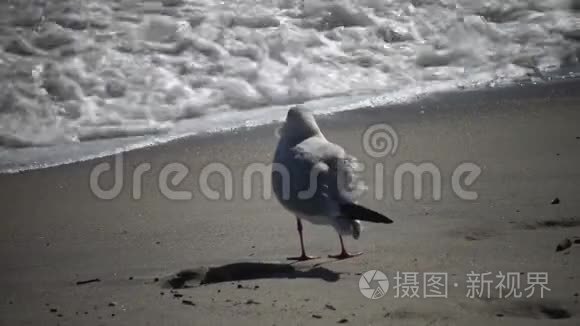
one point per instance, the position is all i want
(85, 78)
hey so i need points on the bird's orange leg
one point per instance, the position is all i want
(303, 255)
(344, 254)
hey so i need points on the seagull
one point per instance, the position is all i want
(316, 180)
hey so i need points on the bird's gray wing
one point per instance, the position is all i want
(332, 176)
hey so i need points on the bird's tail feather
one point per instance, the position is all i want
(357, 212)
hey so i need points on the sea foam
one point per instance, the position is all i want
(73, 72)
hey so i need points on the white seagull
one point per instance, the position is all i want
(316, 181)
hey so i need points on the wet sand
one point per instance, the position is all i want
(55, 232)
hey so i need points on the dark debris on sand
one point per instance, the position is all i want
(563, 245)
(94, 280)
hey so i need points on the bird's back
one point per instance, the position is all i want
(309, 178)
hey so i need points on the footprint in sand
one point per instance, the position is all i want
(552, 223)
(473, 234)
(533, 309)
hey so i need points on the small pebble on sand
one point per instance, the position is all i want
(563, 245)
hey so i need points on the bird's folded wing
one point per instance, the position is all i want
(335, 171)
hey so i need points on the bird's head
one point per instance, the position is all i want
(300, 124)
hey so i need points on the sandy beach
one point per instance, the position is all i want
(70, 258)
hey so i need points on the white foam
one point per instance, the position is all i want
(74, 72)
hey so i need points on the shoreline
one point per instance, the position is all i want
(422, 99)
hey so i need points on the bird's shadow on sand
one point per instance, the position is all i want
(247, 271)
